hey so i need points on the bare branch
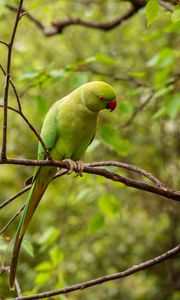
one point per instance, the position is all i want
(139, 109)
(163, 191)
(25, 189)
(30, 16)
(31, 127)
(17, 286)
(7, 81)
(128, 167)
(12, 219)
(87, 284)
(14, 89)
(15, 196)
(59, 26)
(165, 5)
(4, 43)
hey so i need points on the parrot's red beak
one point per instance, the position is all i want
(112, 105)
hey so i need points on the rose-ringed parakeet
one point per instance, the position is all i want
(68, 129)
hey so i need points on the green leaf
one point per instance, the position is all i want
(57, 73)
(125, 108)
(152, 10)
(173, 105)
(44, 266)
(112, 140)
(56, 255)
(170, 108)
(28, 247)
(163, 59)
(103, 58)
(109, 205)
(96, 223)
(175, 17)
(159, 113)
(28, 75)
(43, 278)
(49, 237)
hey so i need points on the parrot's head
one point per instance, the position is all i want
(98, 95)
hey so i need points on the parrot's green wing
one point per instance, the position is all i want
(49, 132)
(49, 135)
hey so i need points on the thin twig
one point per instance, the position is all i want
(165, 5)
(59, 174)
(12, 219)
(4, 43)
(30, 16)
(25, 189)
(17, 286)
(163, 191)
(32, 128)
(7, 81)
(14, 89)
(87, 284)
(139, 109)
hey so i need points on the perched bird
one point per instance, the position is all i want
(68, 129)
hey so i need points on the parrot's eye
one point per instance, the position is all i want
(101, 98)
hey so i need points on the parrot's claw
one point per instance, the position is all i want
(76, 166)
(72, 165)
(80, 168)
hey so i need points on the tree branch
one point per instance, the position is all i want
(128, 167)
(163, 191)
(12, 219)
(60, 25)
(87, 284)
(165, 5)
(17, 286)
(30, 16)
(139, 109)
(31, 127)
(14, 89)
(26, 188)
(7, 81)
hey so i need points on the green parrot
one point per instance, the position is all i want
(68, 129)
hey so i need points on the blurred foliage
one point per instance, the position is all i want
(87, 227)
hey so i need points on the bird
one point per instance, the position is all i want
(68, 129)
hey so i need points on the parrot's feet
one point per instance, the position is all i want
(76, 166)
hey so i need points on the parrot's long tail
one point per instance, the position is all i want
(36, 192)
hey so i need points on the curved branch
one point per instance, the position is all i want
(59, 26)
(128, 167)
(15, 196)
(31, 127)
(84, 285)
(163, 191)
(12, 219)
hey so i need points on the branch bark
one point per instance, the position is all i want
(87, 284)
(58, 26)
(163, 191)
(7, 80)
